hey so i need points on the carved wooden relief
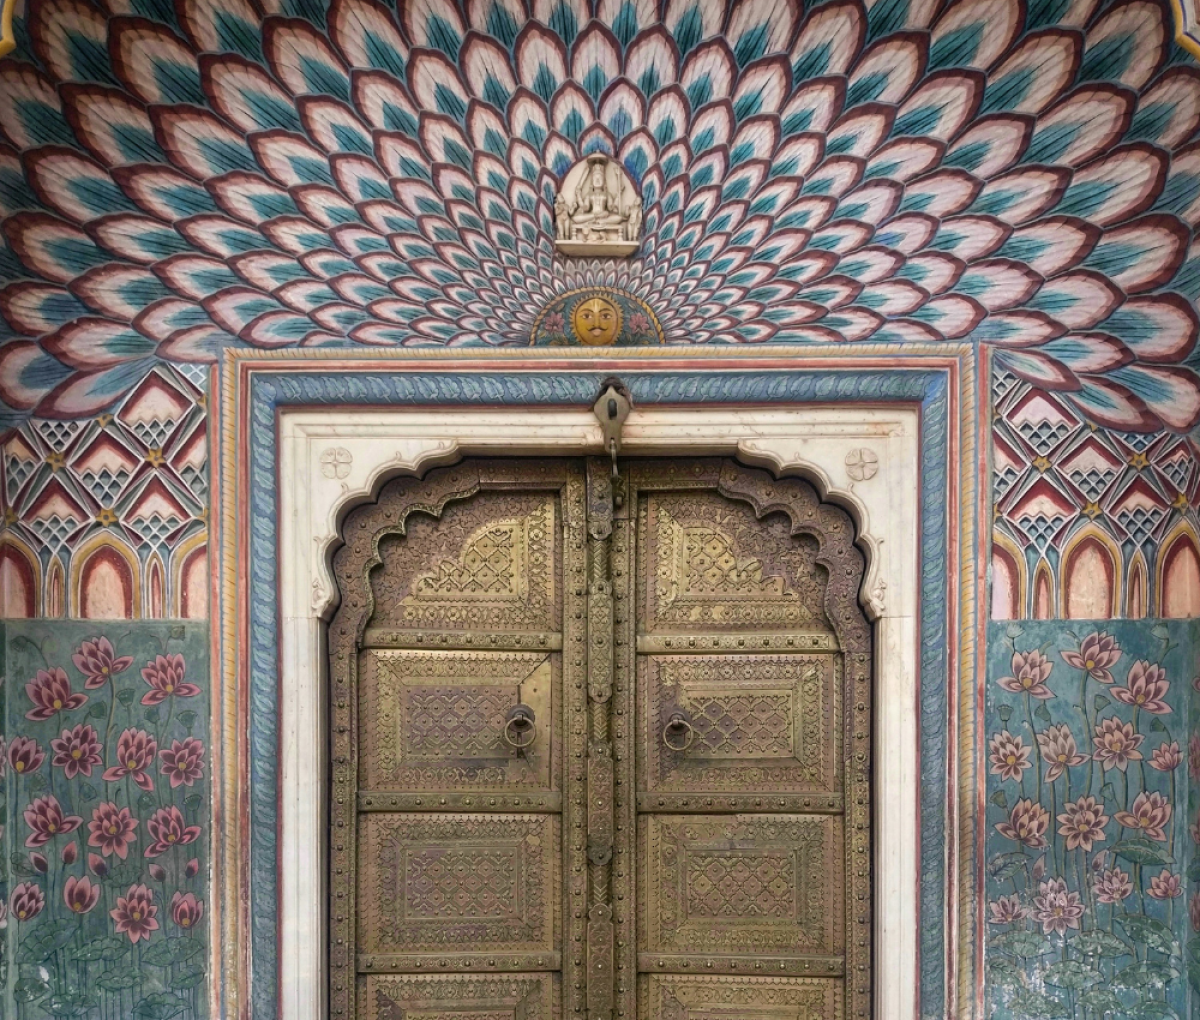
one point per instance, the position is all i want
(600, 748)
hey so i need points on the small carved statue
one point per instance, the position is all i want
(562, 218)
(597, 211)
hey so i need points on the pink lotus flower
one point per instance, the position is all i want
(1007, 910)
(184, 762)
(639, 324)
(111, 830)
(1144, 688)
(97, 865)
(51, 693)
(167, 828)
(1030, 672)
(136, 751)
(165, 677)
(1057, 745)
(1009, 756)
(1166, 757)
(97, 661)
(45, 820)
(70, 853)
(26, 901)
(77, 751)
(186, 910)
(25, 755)
(134, 913)
(1113, 886)
(1096, 653)
(1055, 908)
(1165, 886)
(1082, 822)
(1026, 824)
(80, 895)
(1151, 811)
(1116, 744)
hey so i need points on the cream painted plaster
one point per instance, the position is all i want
(863, 458)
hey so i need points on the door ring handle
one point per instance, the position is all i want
(678, 734)
(520, 728)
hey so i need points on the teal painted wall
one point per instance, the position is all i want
(1093, 757)
(106, 845)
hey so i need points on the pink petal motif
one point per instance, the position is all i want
(46, 820)
(1097, 652)
(1145, 688)
(167, 828)
(26, 901)
(1150, 813)
(80, 894)
(77, 751)
(165, 676)
(136, 751)
(184, 762)
(111, 829)
(134, 913)
(1030, 672)
(51, 693)
(97, 661)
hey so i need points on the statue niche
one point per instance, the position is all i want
(598, 211)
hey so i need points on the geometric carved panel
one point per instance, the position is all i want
(759, 722)
(460, 997)
(487, 563)
(741, 884)
(687, 997)
(458, 883)
(435, 720)
(711, 565)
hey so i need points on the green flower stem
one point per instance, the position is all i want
(1037, 751)
(1087, 731)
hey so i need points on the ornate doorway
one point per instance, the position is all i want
(600, 747)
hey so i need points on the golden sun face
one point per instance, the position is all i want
(596, 321)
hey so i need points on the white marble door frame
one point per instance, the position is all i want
(864, 458)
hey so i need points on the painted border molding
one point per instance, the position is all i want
(255, 391)
(861, 458)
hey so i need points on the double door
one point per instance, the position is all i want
(600, 748)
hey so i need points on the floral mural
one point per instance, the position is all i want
(106, 843)
(1093, 905)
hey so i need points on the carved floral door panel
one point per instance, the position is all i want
(600, 749)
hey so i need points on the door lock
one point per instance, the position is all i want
(611, 409)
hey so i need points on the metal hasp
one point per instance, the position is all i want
(611, 409)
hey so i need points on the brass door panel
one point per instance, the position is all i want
(458, 885)
(600, 748)
(750, 661)
(692, 997)
(762, 887)
(435, 721)
(460, 997)
(763, 724)
(458, 667)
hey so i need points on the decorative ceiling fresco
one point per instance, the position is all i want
(178, 177)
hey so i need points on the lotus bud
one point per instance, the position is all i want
(70, 852)
(158, 872)
(38, 862)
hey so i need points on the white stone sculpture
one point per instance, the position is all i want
(598, 211)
